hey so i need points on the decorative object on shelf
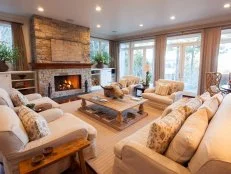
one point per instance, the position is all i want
(86, 86)
(49, 90)
(7, 54)
(113, 91)
(102, 59)
(148, 75)
(22, 76)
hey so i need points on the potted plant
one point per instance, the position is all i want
(7, 54)
(101, 58)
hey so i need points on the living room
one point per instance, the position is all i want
(115, 86)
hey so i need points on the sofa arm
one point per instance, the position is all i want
(176, 96)
(135, 154)
(52, 114)
(33, 96)
(149, 90)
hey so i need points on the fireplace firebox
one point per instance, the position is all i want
(67, 82)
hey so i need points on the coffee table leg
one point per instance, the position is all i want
(82, 162)
(119, 117)
(83, 104)
(141, 109)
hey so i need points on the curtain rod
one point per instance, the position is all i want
(2, 20)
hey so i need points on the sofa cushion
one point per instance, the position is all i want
(192, 105)
(186, 141)
(18, 98)
(213, 154)
(13, 136)
(211, 106)
(158, 98)
(172, 88)
(5, 98)
(162, 89)
(219, 97)
(205, 96)
(163, 131)
(35, 125)
(45, 100)
(179, 85)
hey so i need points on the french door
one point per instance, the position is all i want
(182, 63)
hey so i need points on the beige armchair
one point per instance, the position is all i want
(128, 83)
(162, 102)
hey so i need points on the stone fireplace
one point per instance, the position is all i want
(61, 56)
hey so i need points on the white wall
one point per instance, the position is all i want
(26, 29)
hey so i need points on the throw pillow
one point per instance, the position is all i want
(192, 105)
(187, 140)
(163, 130)
(34, 124)
(173, 88)
(18, 98)
(211, 106)
(205, 96)
(162, 89)
(219, 97)
(123, 83)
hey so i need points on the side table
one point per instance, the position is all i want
(139, 89)
(60, 152)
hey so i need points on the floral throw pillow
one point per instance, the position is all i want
(18, 98)
(163, 131)
(34, 124)
(192, 105)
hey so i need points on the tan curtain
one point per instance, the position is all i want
(160, 50)
(209, 53)
(19, 42)
(114, 53)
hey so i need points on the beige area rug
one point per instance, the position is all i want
(107, 137)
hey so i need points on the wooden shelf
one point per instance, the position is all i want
(31, 87)
(21, 80)
(60, 65)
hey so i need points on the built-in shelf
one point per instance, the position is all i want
(32, 87)
(21, 80)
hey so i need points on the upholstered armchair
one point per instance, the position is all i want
(128, 83)
(161, 102)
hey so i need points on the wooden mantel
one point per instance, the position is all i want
(60, 65)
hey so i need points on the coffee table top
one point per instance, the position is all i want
(119, 105)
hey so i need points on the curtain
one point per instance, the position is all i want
(209, 54)
(160, 49)
(19, 43)
(114, 53)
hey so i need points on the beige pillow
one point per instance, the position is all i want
(219, 97)
(18, 98)
(34, 124)
(123, 83)
(205, 96)
(173, 88)
(211, 106)
(187, 140)
(192, 105)
(162, 89)
(163, 130)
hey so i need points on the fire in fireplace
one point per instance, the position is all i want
(67, 82)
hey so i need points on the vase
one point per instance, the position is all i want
(99, 65)
(3, 66)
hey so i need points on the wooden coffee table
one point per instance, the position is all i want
(117, 113)
(60, 152)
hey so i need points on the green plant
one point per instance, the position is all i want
(8, 54)
(101, 57)
(148, 78)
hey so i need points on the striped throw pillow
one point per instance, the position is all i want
(162, 89)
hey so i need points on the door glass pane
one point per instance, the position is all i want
(191, 68)
(172, 63)
(138, 62)
(150, 62)
(94, 48)
(124, 62)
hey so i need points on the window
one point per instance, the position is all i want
(224, 58)
(98, 45)
(135, 57)
(6, 34)
(182, 60)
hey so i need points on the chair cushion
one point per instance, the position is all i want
(211, 106)
(205, 96)
(158, 98)
(162, 89)
(187, 140)
(192, 105)
(18, 98)
(13, 136)
(163, 131)
(45, 100)
(35, 125)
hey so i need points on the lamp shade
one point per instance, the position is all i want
(147, 67)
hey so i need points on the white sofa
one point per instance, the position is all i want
(162, 102)
(213, 155)
(64, 127)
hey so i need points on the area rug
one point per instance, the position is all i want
(107, 137)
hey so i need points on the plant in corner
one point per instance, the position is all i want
(7, 54)
(101, 58)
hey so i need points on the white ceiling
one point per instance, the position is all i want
(123, 16)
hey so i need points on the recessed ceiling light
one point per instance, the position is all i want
(227, 5)
(40, 9)
(98, 8)
(98, 26)
(172, 17)
(141, 25)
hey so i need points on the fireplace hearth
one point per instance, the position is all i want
(67, 82)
